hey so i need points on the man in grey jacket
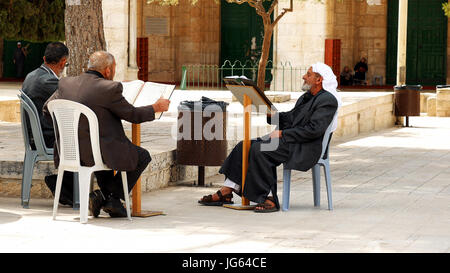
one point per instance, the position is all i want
(42, 82)
(299, 132)
(39, 85)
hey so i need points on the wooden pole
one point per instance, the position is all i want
(136, 211)
(245, 150)
(246, 144)
(136, 139)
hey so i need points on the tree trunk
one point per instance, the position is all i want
(84, 32)
(268, 30)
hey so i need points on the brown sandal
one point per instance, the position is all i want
(265, 207)
(207, 200)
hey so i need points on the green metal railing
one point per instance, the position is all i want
(283, 77)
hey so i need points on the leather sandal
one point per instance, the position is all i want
(207, 200)
(265, 207)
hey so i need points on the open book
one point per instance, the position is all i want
(240, 85)
(139, 93)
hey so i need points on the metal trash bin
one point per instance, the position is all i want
(407, 101)
(201, 135)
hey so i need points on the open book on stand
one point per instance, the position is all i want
(139, 93)
(240, 85)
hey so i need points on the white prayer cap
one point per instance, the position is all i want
(329, 84)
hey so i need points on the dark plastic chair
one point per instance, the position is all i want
(323, 161)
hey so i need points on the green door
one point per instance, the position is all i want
(426, 43)
(242, 32)
(32, 61)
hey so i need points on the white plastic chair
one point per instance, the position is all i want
(323, 161)
(40, 153)
(66, 115)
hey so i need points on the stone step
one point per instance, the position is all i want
(10, 110)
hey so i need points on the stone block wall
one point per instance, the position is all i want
(193, 37)
(300, 35)
(372, 38)
(362, 29)
(115, 24)
(344, 18)
(10, 110)
(443, 102)
(368, 115)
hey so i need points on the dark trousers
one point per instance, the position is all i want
(261, 177)
(111, 185)
(20, 66)
(50, 180)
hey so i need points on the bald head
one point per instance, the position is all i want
(103, 62)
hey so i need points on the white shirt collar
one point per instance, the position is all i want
(49, 70)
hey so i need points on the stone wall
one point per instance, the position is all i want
(371, 37)
(193, 37)
(300, 35)
(115, 22)
(10, 110)
(368, 115)
(362, 29)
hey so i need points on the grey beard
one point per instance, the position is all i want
(306, 87)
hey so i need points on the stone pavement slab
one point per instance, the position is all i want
(391, 192)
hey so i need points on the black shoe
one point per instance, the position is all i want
(63, 200)
(114, 207)
(95, 202)
(50, 181)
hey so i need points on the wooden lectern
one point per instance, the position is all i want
(253, 99)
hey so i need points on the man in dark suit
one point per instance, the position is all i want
(299, 133)
(360, 71)
(42, 82)
(19, 59)
(39, 85)
(97, 90)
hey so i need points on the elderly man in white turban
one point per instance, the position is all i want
(300, 132)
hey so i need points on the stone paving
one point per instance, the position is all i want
(391, 192)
